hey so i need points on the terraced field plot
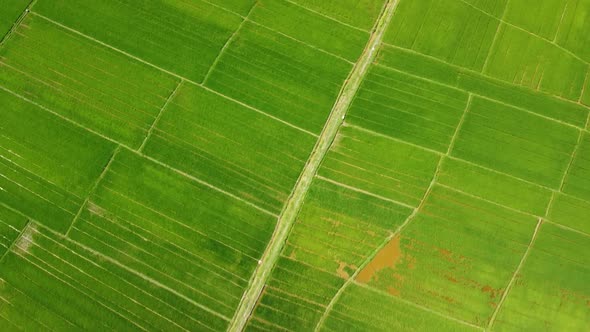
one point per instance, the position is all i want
(294, 165)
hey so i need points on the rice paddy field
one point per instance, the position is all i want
(295, 165)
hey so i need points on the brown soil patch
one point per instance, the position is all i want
(388, 257)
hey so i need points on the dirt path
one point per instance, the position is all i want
(289, 214)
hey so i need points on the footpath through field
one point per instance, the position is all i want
(289, 214)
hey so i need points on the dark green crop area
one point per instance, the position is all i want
(153, 155)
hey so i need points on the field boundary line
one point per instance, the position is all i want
(502, 20)
(400, 228)
(296, 199)
(493, 79)
(365, 192)
(416, 305)
(93, 189)
(565, 174)
(171, 73)
(17, 23)
(301, 42)
(326, 16)
(13, 243)
(228, 42)
(586, 82)
(157, 119)
(514, 275)
(186, 175)
(133, 271)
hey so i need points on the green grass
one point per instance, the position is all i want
(335, 232)
(171, 27)
(542, 20)
(11, 225)
(554, 281)
(577, 182)
(83, 81)
(457, 256)
(230, 146)
(364, 309)
(539, 65)
(297, 165)
(280, 76)
(451, 31)
(408, 108)
(11, 10)
(311, 28)
(494, 135)
(571, 212)
(381, 166)
(493, 186)
(470, 81)
(48, 166)
(195, 240)
(360, 14)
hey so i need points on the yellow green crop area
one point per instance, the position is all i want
(294, 165)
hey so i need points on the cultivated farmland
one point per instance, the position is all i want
(294, 165)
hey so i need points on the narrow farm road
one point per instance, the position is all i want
(289, 214)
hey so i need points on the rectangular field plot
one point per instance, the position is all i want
(335, 232)
(551, 292)
(364, 309)
(456, 257)
(83, 81)
(515, 142)
(527, 60)
(532, 100)
(230, 146)
(542, 19)
(379, 165)
(495, 187)
(183, 37)
(492, 7)
(280, 76)
(571, 212)
(573, 29)
(241, 7)
(311, 28)
(47, 165)
(408, 108)
(50, 283)
(195, 240)
(11, 225)
(11, 10)
(452, 31)
(577, 182)
(361, 14)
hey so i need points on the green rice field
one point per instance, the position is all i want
(295, 165)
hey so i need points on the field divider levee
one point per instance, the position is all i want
(17, 23)
(17, 239)
(157, 119)
(228, 42)
(171, 73)
(537, 228)
(296, 199)
(399, 229)
(93, 189)
(515, 275)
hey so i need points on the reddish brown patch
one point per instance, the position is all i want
(491, 291)
(388, 257)
(452, 279)
(393, 291)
